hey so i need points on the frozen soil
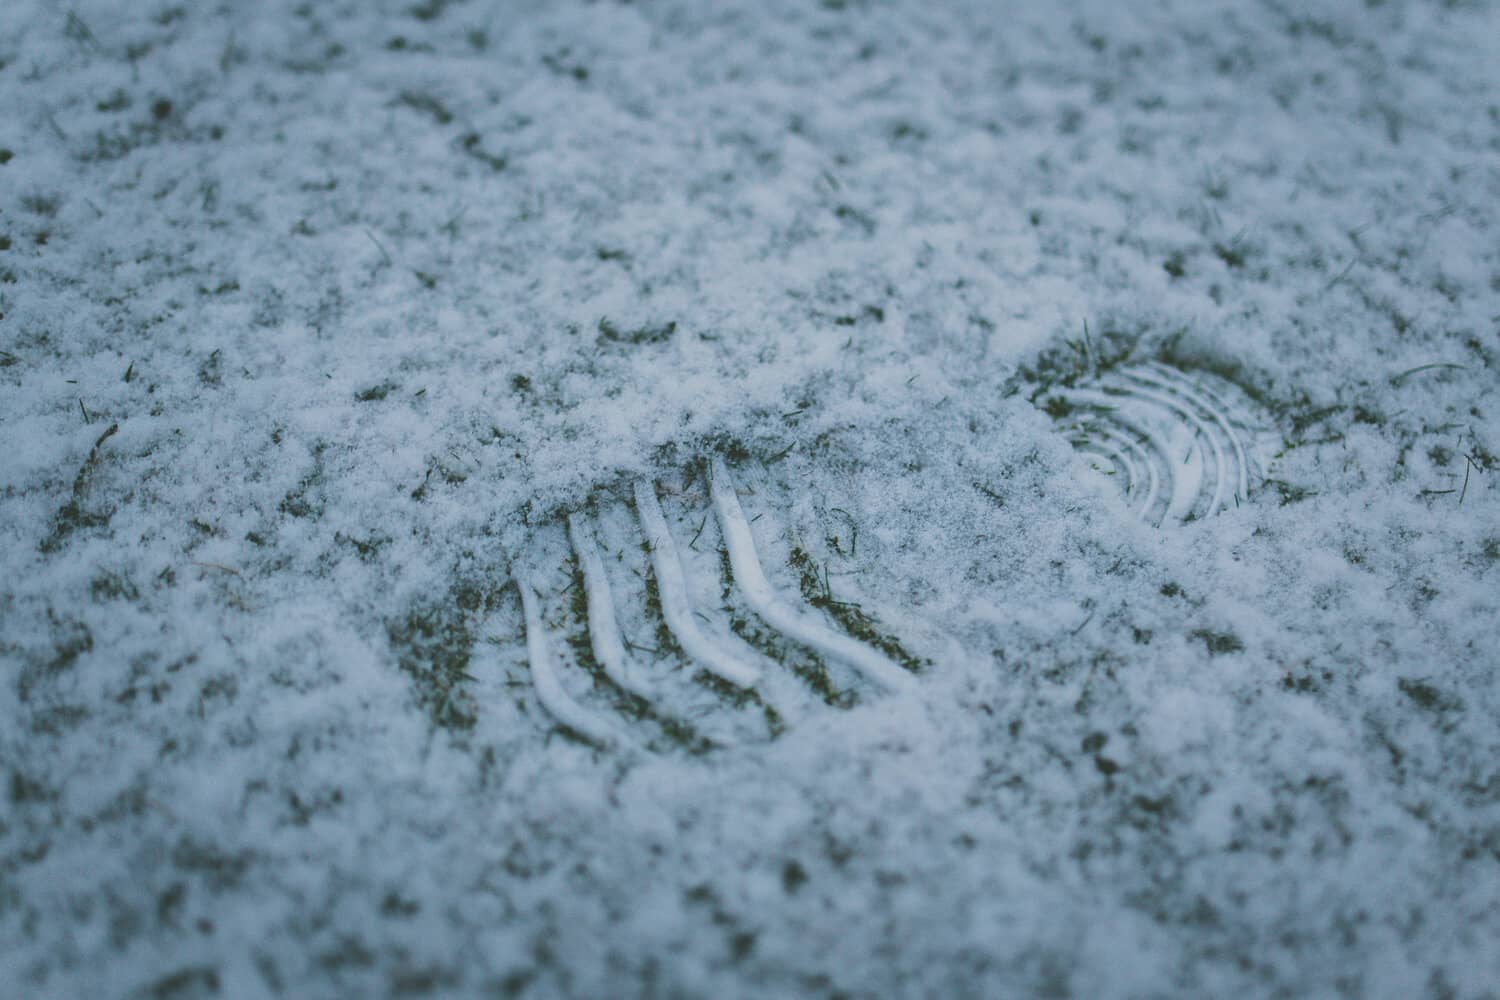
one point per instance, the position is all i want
(317, 319)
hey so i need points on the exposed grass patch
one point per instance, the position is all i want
(646, 334)
(873, 314)
(1288, 493)
(1427, 697)
(375, 393)
(1088, 354)
(804, 663)
(1305, 682)
(850, 617)
(366, 548)
(113, 587)
(25, 789)
(433, 643)
(72, 515)
(740, 697)
(425, 104)
(71, 639)
(1219, 643)
(679, 732)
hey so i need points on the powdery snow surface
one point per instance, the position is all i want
(319, 319)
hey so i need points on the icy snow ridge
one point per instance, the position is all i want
(733, 666)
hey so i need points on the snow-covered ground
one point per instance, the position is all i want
(317, 320)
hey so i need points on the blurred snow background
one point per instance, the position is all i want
(316, 316)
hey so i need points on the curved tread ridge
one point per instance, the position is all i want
(1176, 442)
(604, 628)
(764, 600)
(676, 607)
(549, 690)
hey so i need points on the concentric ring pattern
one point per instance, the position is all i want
(1182, 445)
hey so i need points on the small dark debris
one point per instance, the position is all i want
(640, 335)
(848, 213)
(113, 586)
(118, 101)
(906, 130)
(169, 903)
(161, 109)
(430, 10)
(874, 313)
(301, 501)
(426, 104)
(557, 63)
(988, 492)
(193, 981)
(1219, 642)
(793, 877)
(1232, 256)
(1302, 421)
(41, 204)
(473, 145)
(1428, 697)
(376, 393)
(1057, 407)
(367, 548)
(1305, 684)
(395, 906)
(209, 373)
(24, 788)
(741, 945)
(1156, 807)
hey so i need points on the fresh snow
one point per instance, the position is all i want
(318, 322)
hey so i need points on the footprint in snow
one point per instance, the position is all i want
(1182, 446)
